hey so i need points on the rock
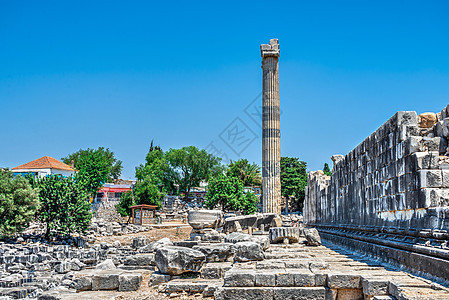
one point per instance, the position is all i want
(63, 267)
(82, 284)
(158, 278)
(200, 219)
(108, 264)
(140, 241)
(262, 240)
(248, 251)
(177, 260)
(237, 237)
(105, 280)
(139, 260)
(129, 282)
(312, 236)
(278, 234)
(243, 221)
(427, 120)
(77, 265)
(216, 252)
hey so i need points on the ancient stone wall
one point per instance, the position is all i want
(392, 189)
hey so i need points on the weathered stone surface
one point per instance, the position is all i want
(237, 237)
(140, 241)
(248, 251)
(158, 278)
(312, 236)
(177, 260)
(427, 120)
(200, 219)
(344, 281)
(215, 270)
(82, 284)
(216, 252)
(303, 293)
(139, 260)
(105, 280)
(243, 293)
(129, 282)
(108, 264)
(152, 247)
(63, 267)
(278, 234)
(243, 222)
(239, 278)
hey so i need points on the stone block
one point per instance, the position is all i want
(106, 280)
(350, 294)
(140, 241)
(200, 219)
(279, 234)
(174, 260)
(375, 286)
(248, 251)
(429, 179)
(265, 279)
(240, 278)
(293, 293)
(158, 278)
(129, 282)
(216, 252)
(344, 281)
(243, 293)
(82, 284)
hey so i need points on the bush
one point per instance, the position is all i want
(64, 204)
(126, 201)
(18, 203)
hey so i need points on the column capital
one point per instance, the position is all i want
(271, 49)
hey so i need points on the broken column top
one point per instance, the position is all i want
(271, 49)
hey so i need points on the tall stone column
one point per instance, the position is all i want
(271, 134)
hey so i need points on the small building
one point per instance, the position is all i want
(44, 166)
(112, 191)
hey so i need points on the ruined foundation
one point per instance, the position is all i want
(389, 197)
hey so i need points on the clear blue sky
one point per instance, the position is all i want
(78, 74)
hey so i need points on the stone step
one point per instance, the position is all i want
(207, 287)
(276, 293)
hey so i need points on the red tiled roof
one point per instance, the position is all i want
(45, 162)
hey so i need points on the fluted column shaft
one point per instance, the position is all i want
(271, 137)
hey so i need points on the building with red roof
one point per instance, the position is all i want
(44, 166)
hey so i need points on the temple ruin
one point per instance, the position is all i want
(389, 197)
(271, 134)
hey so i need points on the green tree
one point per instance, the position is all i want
(152, 178)
(95, 167)
(248, 173)
(227, 192)
(293, 178)
(18, 203)
(189, 166)
(326, 170)
(126, 201)
(64, 206)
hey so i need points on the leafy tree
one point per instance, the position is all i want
(126, 201)
(18, 203)
(327, 171)
(293, 178)
(189, 166)
(95, 167)
(152, 178)
(227, 192)
(248, 173)
(64, 205)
